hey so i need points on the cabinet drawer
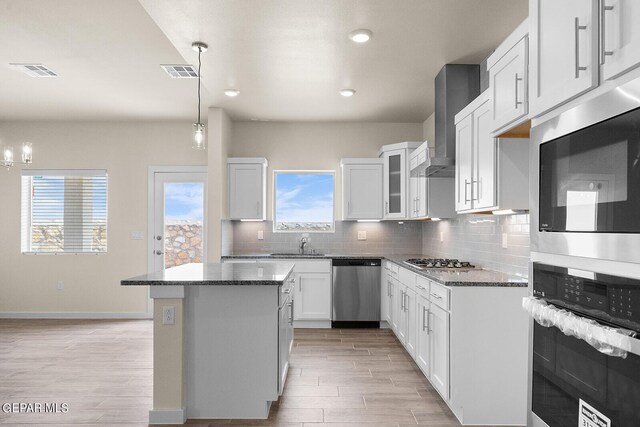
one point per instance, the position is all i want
(408, 278)
(439, 295)
(304, 265)
(422, 286)
(392, 270)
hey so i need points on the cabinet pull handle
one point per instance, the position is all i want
(424, 315)
(348, 208)
(402, 301)
(286, 291)
(436, 296)
(603, 33)
(420, 287)
(518, 79)
(466, 182)
(291, 317)
(576, 33)
(386, 208)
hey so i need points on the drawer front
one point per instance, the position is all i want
(286, 290)
(408, 278)
(422, 286)
(439, 295)
(392, 270)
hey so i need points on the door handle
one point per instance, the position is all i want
(576, 33)
(402, 300)
(603, 33)
(516, 83)
(466, 182)
(436, 296)
(386, 208)
(424, 315)
(159, 252)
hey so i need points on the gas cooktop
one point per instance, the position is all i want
(425, 263)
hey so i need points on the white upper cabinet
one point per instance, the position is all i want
(484, 174)
(508, 77)
(464, 163)
(620, 43)
(396, 179)
(362, 188)
(247, 188)
(490, 172)
(564, 51)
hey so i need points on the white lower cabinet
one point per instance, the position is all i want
(439, 336)
(469, 341)
(312, 296)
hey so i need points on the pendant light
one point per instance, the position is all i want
(8, 160)
(199, 127)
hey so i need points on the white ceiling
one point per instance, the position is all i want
(288, 58)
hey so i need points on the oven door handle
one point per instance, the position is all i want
(610, 341)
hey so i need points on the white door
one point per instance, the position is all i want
(410, 310)
(439, 332)
(178, 219)
(483, 194)
(313, 296)
(422, 335)
(245, 191)
(464, 162)
(564, 51)
(620, 36)
(509, 85)
(395, 183)
(362, 191)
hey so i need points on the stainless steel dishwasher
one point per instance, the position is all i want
(356, 293)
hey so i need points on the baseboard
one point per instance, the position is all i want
(315, 324)
(167, 416)
(71, 315)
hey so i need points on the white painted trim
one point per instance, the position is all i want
(304, 324)
(70, 315)
(167, 416)
(247, 160)
(150, 214)
(167, 291)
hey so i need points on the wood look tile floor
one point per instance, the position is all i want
(103, 371)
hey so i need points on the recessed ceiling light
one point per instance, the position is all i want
(232, 93)
(35, 70)
(347, 92)
(360, 36)
(180, 71)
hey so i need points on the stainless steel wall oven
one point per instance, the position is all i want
(585, 355)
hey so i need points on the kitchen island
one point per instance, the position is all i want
(222, 338)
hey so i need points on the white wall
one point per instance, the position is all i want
(91, 282)
(315, 146)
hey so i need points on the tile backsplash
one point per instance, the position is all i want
(381, 238)
(479, 239)
(474, 238)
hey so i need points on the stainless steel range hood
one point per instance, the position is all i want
(455, 86)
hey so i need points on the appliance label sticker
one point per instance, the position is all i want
(588, 416)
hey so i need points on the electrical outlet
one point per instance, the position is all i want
(362, 235)
(137, 235)
(168, 315)
(442, 236)
(505, 243)
(60, 285)
(260, 235)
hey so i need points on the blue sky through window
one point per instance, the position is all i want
(304, 198)
(184, 201)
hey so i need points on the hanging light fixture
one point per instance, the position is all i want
(199, 127)
(8, 159)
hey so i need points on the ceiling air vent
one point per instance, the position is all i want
(35, 70)
(180, 71)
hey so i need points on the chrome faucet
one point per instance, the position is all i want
(303, 243)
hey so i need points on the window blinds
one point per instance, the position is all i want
(64, 211)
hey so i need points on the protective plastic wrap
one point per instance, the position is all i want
(610, 341)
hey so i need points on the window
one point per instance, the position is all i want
(64, 211)
(303, 201)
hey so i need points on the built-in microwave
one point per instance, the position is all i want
(586, 188)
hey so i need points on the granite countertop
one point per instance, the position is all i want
(459, 277)
(462, 277)
(216, 274)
